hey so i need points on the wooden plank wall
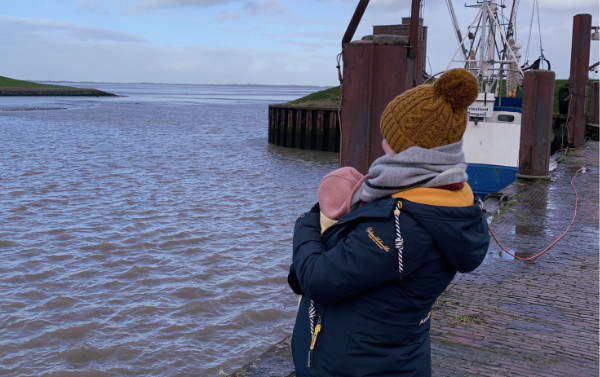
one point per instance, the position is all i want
(304, 128)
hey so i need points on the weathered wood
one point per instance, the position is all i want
(304, 128)
(272, 124)
(592, 113)
(536, 124)
(333, 135)
(319, 130)
(308, 142)
(578, 79)
(298, 129)
(289, 129)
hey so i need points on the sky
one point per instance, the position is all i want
(272, 42)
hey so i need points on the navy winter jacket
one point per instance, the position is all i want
(370, 318)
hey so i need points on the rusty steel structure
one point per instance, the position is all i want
(376, 69)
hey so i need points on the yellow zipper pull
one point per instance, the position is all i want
(314, 339)
(314, 336)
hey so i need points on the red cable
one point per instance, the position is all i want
(561, 236)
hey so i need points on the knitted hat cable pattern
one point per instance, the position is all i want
(430, 116)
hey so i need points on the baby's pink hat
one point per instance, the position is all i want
(337, 189)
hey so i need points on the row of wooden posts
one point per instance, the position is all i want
(304, 128)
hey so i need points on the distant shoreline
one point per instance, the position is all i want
(14, 87)
(58, 91)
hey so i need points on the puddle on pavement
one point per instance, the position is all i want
(531, 230)
(497, 253)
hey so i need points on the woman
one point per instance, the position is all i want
(373, 277)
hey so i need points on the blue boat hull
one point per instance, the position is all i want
(485, 179)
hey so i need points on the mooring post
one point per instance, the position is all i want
(536, 124)
(578, 79)
(593, 110)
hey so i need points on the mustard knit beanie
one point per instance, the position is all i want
(430, 116)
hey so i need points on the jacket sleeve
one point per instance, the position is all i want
(293, 281)
(362, 260)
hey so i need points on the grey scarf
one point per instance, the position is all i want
(414, 167)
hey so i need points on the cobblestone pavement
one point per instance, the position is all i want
(512, 317)
(516, 318)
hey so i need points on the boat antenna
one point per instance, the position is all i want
(541, 58)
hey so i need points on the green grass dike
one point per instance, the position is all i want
(323, 99)
(12, 87)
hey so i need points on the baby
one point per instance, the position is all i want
(338, 194)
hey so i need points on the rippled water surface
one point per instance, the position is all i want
(148, 234)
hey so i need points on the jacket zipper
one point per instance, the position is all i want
(314, 338)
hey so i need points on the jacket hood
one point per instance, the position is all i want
(461, 233)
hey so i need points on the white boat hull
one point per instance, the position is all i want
(491, 146)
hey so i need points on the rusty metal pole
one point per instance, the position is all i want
(536, 124)
(578, 79)
(414, 29)
(356, 17)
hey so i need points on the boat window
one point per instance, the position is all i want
(506, 118)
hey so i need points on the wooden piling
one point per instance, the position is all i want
(304, 128)
(536, 124)
(592, 113)
(578, 79)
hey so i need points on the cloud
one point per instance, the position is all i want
(13, 27)
(200, 64)
(264, 6)
(571, 5)
(245, 6)
(270, 8)
(271, 41)
(164, 4)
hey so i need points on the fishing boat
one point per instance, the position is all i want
(492, 138)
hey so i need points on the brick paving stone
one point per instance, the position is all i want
(535, 318)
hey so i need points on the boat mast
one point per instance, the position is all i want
(487, 62)
(514, 73)
(486, 69)
(457, 29)
(511, 22)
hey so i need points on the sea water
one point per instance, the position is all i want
(147, 234)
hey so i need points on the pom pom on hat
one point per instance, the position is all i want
(458, 86)
(430, 116)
